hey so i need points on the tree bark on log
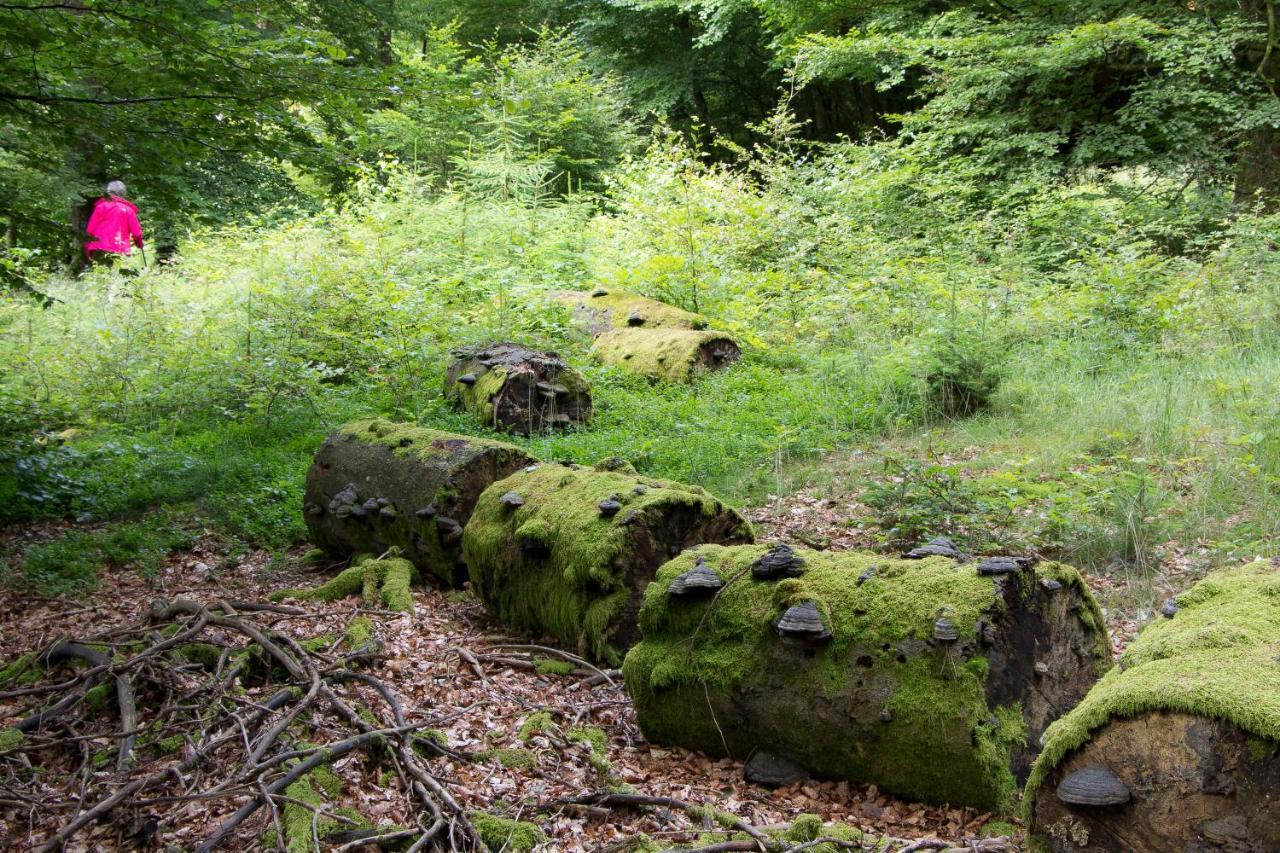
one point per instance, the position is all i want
(518, 389)
(930, 678)
(673, 355)
(1178, 748)
(567, 550)
(602, 310)
(375, 485)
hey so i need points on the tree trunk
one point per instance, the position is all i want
(518, 389)
(376, 484)
(1183, 737)
(930, 678)
(1258, 169)
(673, 355)
(566, 550)
(603, 310)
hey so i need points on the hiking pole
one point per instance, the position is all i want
(143, 249)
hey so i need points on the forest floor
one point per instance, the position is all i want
(448, 665)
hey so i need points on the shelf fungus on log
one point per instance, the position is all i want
(517, 389)
(672, 355)
(920, 677)
(1178, 747)
(600, 310)
(561, 566)
(430, 480)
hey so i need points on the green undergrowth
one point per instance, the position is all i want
(921, 728)
(670, 355)
(557, 565)
(1215, 658)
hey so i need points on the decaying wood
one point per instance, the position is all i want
(518, 389)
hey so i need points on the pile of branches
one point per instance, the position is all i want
(212, 705)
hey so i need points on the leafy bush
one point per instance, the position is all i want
(961, 376)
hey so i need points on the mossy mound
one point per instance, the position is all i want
(880, 698)
(502, 834)
(570, 560)
(600, 310)
(1196, 696)
(376, 484)
(671, 355)
(381, 583)
(518, 389)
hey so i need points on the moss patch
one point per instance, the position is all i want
(10, 739)
(558, 565)
(553, 666)
(883, 701)
(537, 724)
(381, 583)
(417, 442)
(359, 632)
(673, 355)
(504, 834)
(513, 758)
(21, 671)
(1218, 657)
(603, 309)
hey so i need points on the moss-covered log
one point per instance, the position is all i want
(566, 550)
(380, 583)
(518, 389)
(375, 485)
(1177, 748)
(600, 310)
(931, 678)
(673, 355)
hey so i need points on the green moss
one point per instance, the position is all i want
(169, 745)
(206, 655)
(998, 828)
(320, 643)
(805, 827)
(478, 398)
(1091, 614)
(553, 666)
(297, 818)
(927, 731)
(359, 632)
(419, 442)
(614, 308)
(384, 583)
(10, 739)
(348, 582)
(503, 834)
(536, 724)
(397, 576)
(313, 557)
(556, 565)
(22, 671)
(593, 736)
(97, 697)
(513, 758)
(810, 827)
(665, 354)
(1215, 658)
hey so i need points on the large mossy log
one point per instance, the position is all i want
(931, 678)
(1178, 747)
(375, 485)
(518, 389)
(600, 310)
(566, 550)
(672, 355)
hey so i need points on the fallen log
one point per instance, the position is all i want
(673, 355)
(601, 310)
(375, 485)
(518, 389)
(566, 550)
(931, 678)
(1178, 747)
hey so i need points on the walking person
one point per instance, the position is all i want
(113, 228)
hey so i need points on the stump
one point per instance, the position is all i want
(602, 310)
(518, 389)
(375, 485)
(925, 677)
(1184, 733)
(566, 550)
(673, 355)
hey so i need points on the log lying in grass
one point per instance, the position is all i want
(929, 678)
(601, 310)
(1178, 748)
(377, 484)
(669, 354)
(381, 583)
(566, 550)
(515, 388)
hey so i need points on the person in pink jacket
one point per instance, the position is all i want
(113, 226)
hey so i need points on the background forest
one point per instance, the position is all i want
(1003, 271)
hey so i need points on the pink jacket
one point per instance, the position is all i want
(113, 222)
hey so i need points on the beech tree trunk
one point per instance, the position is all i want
(377, 484)
(518, 389)
(566, 551)
(930, 678)
(1183, 737)
(672, 355)
(601, 310)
